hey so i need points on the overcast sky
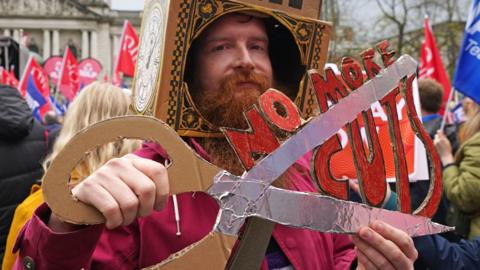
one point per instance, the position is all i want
(127, 4)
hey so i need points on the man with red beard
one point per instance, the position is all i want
(231, 68)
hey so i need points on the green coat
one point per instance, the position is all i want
(462, 181)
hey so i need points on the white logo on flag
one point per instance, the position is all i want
(473, 21)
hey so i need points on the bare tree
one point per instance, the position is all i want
(331, 13)
(400, 13)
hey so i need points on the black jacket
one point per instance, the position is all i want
(23, 147)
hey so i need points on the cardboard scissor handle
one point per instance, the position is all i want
(190, 173)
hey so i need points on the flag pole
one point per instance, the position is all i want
(445, 113)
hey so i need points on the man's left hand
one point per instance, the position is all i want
(381, 246)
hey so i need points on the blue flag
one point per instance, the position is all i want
(35, 100)
(467, 71)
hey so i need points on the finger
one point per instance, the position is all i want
(399, 237)
(387, 248)
(96, 196)
(365, 244)
(157, 173)
(123, 195)
(360, 267)
(142, 186)
(364, 262)
(354, 185)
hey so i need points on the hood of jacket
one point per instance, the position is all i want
(16, 118)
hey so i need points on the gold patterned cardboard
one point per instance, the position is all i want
(168, 30)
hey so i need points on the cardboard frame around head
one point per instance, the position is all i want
(169, 99)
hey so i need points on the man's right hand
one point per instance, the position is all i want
(123, 189)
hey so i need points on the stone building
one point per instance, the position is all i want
(89, 27)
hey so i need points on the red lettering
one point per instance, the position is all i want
(258, 139)
(370, 170)
(352, 73)
(280, 110)
(387, 55)
(321, 169)
(430, 204)
(371, 68)
(401, 170)
(328, 86)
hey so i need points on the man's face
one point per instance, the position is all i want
(233, 50)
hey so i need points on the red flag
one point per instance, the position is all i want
(68, 81)
(12, 80)
(431, 65)
(35, 85)
(127, 55)
(8, 78)
(3, 76)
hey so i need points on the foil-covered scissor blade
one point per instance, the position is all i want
(327, 214)
(241, 199)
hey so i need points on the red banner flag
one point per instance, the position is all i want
(127, 55)
(12, 80)
(68, 81)
(35, 85)
(431, 65)
(8, 78)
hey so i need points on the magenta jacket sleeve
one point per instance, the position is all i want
(344, 254)
(45, 249)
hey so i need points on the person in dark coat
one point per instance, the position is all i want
(23, 147)
(436, 252)
(431, 98)
(52, 124)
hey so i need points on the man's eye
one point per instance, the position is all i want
(258, 47)
(219, 48)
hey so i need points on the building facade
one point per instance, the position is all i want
(89, 27)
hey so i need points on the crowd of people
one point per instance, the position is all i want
(128, 183)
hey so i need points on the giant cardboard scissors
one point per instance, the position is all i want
(250, 195)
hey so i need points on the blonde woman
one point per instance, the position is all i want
(96, 102)
(461, 175)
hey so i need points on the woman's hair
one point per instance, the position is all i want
(96, 102)
(472, 125)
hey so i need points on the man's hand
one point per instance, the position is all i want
(381, 246)
(444, 148)
(123, 189)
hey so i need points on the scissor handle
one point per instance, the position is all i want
(187, 171)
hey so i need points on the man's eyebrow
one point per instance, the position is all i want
(216, 39)
(261, 38)
(222, 38)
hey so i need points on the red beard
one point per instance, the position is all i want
(224, 107)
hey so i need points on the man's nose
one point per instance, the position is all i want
(244, 59)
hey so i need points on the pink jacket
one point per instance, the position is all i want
(151, 239)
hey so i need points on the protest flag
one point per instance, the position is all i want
(35, 85)
(127, 54)
(12, 80)
(466, 79)
(68, 81)
(8, 78)
(431, 65)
